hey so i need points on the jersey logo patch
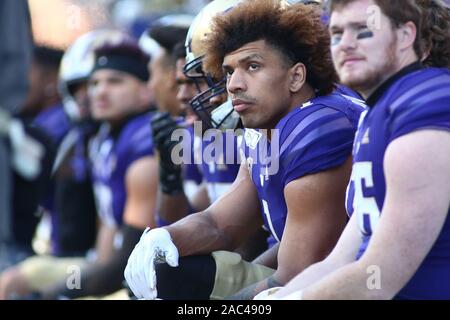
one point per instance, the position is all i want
(306, 104)
(252, 138)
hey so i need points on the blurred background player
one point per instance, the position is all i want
(23, 173)
(43, 104)
(214, 180)
(167, 71)
(43, 108)
(123, 170)
(73, 199)
(165, 33)
(43, 117)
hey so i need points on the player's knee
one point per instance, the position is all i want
(8, 277)
(192, 279)
(12, 282)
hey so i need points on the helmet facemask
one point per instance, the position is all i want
(209, 104)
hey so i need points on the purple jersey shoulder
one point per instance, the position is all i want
(418, 100)
(54, 122)
(314, 137)
(111, 157)
(318, 135)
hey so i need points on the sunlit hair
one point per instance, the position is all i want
(296, 31)
(435, 33)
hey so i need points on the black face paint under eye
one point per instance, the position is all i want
(364, 34)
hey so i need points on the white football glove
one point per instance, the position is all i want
(267, 294)
(296, 295)
(155, 246)
(271, 294)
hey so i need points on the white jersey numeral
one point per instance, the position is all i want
(364, 206)
(104, 201)
(269, 220)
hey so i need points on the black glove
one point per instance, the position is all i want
(170, 177)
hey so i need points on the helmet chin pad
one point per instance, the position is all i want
(212, 115)
(224, 117)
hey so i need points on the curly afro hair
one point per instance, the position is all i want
(435, 33)
(297, 31)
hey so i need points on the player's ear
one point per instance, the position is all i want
(297, 77)
(407, 34)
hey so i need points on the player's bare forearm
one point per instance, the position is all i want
(347, 283)
(250, 292)
(198, 234)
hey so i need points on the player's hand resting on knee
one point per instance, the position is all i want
(155, 246)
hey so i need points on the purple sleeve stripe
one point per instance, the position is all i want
(443, 80)
(335, 127)
(307, 121)
(425, 105)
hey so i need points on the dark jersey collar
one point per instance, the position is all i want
(374, 97)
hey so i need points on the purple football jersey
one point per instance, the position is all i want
(54, 121)
(219, 173)
(412, 100)
(111, 156)
(191, 172)
(214, 160)
(314, 137)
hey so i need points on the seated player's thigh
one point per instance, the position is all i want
(43, 271)
(234, 274)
